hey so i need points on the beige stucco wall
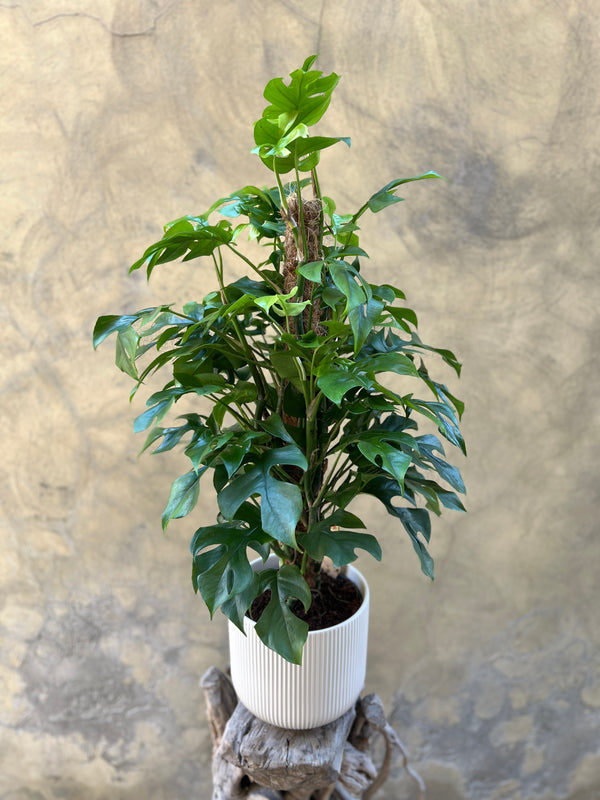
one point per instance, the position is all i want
(117, 116)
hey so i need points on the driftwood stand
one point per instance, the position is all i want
(257, 761)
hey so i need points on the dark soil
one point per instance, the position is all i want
(335, 601)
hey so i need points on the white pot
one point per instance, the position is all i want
(323, 688)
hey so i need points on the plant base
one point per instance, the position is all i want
(323, 688)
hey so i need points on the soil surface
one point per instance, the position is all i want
(335, 601)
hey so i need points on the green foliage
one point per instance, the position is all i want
(313, 393)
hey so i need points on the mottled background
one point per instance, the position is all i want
(118, 115)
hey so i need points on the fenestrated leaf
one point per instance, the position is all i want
(305, 152)
(427, 446)
(447, 355)
(113, 323)
(233, 455)
(442, 415)
(183, 496)
(434, 493)
(304, 100)
(403, 316)
(281, 502)
(390, 362)
(393, 461)
(278, 628)
(282, 303)
(159, 404)
(204, 382)
(236, 606)
(415, 520)
(223, 570)
(339, 545)
(203, 443)
(170, 437)
(335, 381)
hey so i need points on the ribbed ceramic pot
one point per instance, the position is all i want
(324, 687)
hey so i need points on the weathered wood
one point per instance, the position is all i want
(221, 701)
(256, 761)
(285, 759)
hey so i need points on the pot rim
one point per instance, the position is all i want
(258, 564)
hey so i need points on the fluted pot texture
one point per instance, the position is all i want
(323, 688)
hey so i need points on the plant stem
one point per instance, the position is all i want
(254, 267)
(261, 384)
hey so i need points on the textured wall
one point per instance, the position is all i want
(117, 116)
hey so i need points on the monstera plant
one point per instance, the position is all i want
(310, 378)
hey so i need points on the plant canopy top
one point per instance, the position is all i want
(313, 377)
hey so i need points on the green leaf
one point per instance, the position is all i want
(382, 200)
(201, 241)
(304, 100)
(183, 496)
(309, 62)
(224, 570)
(390, 362)
(281, 502)
(127, 343)
(235, 452)
(362, 319)
(278, 628)
(432, 491)
(385, 196)
(442, 415)
(170, 438)
(204, 443)
(237, 605)
(275, 426)
(112, 324)
(191, 376)
(427, 445)
(402, 316)
(415, 520)
(311, 271)
(393, 461)
(339, 545)
(447, 355)
(160, 403)
(344, 280)
(282, 303)
(335, 382)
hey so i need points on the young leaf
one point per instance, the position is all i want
(311, 271)
(385, 196)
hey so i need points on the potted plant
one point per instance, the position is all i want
(309, 378)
